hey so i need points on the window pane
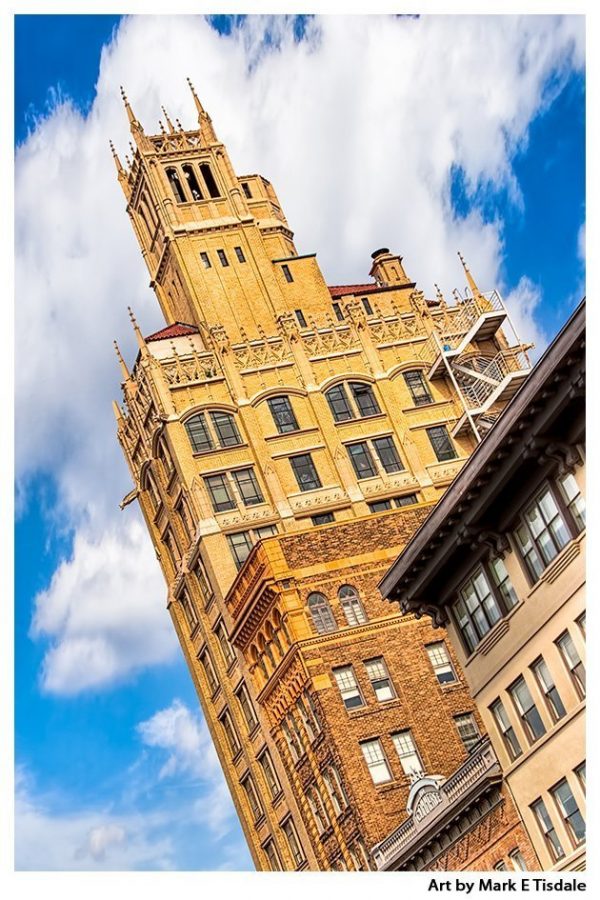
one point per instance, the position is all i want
(283, 414)
(547, 828)
(198, 434)
(376, 761)
(226, 429)
(362, 461)
(467, 729)
(219, 493)
(388, 455)
(305, 472)
(241, 545)
(570, 811)
(348, 687)
(247, 485)
(406, 750)
(321, 613)
(573, 498)
(339, 403)
(440, 661)
(364, 399)
(419, 391)
(527, 709)
(548, 688)
(441, 443)
(380, 679)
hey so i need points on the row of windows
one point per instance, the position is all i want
(301, 726)
(377, 761)
(206, 261)
(379, 677)
(547, 524)
(524, 704)
(567, 809)
(517, 861)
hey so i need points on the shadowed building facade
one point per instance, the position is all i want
(286, 439)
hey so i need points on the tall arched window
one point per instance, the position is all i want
(176, 185)
(353, 609)
(352, 400)
(321, 613)
(208, 431)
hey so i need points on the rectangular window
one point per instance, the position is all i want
(573, 662)
(546, 826)
(571, 815)
(440, 662)
(226, 648)
(205, 260)
(322, 519)
(252, 796)
(223, 258)
(287, 274)
(227, 430)
(511, 741)
(380, 680)
(407, 751)
(518, 860)
(361, 459)
(477, 609)
(220, 494)
(417, 386)
(300, 317)
(338, 312)
(388, 455)
(305, 472)
(209, 180)
(367, 306)
(240, 545)
(548, 689)
(291, 740)
(380, 506)
(335, 789)
(467, 730)
(271, 778)
(528, 711)
(189, 610)
(503, 584)
(580, 772)
(365, 399)
(441, 443)
(390, 502)
(247, 708)
(198, 434)
(573, 498)
(204, 587)
(339, 403)
(273, 860)
(283, 414)
(542, 533)
(581, 622)
(230, 733)
(376, 761)
(311, 727)
(246, 190)
(209, 670)
(293, 842)
(247, 485)
(348, 687)
(240, 254)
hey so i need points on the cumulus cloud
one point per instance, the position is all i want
(360, 125)
(103, 612)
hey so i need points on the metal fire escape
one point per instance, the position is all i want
(470, 346)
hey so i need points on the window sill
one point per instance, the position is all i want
(293, 434)
(358, 419)
(554, 569)
(199, 454)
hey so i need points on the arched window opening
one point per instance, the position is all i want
(198, 434)
(192, 182)
(351, 605)
(321, 613)
(212, 430)
(352, 401)
(257, 660)
(209, 180)
(176, 185)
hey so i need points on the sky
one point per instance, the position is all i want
(428, 135)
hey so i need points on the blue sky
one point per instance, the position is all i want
(513, 197)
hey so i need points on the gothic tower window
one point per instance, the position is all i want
(209, 180)
(223, 258)
(321, 613)
(176, 185)
(240, 254)
(192, 181)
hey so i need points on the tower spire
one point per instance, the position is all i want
(120, 169)
(471, 281)
(138, 333)
(122, 363)
(207, 131)
(168, 121)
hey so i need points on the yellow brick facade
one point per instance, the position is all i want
(219, 468)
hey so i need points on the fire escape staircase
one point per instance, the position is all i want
(484, 384)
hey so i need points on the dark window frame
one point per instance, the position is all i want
(417, 387)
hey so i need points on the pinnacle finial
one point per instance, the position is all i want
(168, 121)
(117, 411)
(199, 106)
(133, 122)
(474, 289)
(120, 169)
(138, 333)
(207, 132)
(122, 362)
(438, 293)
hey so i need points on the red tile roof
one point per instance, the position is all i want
(339, 290)
(177, 329)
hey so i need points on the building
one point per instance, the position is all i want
(501, 561)
(285, 442)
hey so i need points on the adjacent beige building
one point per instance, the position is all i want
(501, 561)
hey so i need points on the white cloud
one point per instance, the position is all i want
(358, 126)
(103, 612)
(522, 303)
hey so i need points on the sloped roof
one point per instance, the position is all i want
(177, 329)
(339, 290)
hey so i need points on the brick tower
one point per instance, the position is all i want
(285, 439)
